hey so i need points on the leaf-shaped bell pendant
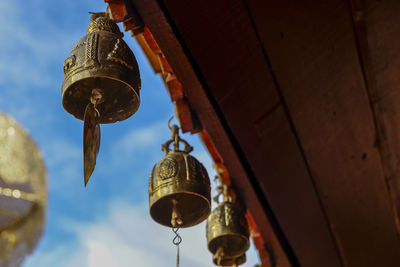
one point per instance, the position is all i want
(101, 82)
(227, 232)
(179, 187)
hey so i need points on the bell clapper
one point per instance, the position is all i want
(91, 133)
(97, 98)
(176, 222)
(219, 255)
(176, 218)
(235, 262)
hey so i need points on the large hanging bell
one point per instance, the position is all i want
(227, 230)
(179, 187)
(103, 62)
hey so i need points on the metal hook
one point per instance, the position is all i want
(175, 139)
(176, 241)
(169, 122)
(108, 12)
(96, 15)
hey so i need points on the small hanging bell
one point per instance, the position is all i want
(101, 83)
(227, 229)
(179, 187)
(102, 60)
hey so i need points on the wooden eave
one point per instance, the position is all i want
(299, 101)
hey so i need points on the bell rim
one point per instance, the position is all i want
(242, 257)
(246, 238)
(67, 83)
(200, 220)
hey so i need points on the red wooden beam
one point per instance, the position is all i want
(126, 14)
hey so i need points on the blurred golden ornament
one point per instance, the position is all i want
(23, 193)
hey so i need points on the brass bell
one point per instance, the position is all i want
(101, 83)
(102, 61)
(179, 187)
(227, 229)
(224, 261)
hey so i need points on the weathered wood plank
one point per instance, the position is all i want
(224, 45)
(314, 56)
(378, 26)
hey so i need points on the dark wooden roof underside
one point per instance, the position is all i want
(302, 101)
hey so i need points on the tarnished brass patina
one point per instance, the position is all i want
(23, 193)
(179, 187)
(219, 260)
(101, 83)
(102, 60)
(227, 229)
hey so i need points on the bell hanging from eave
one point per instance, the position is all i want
(101, 82)
(179, 187)
(227, 231)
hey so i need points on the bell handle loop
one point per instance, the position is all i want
(188, 148)
(165, 146)
(223, 190)
(169, 122)
(176, 140)
(227, 196)
(96, 15)
(220, 192)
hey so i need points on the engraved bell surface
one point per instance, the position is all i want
(179, 184)
(227, 231)
(102, 60)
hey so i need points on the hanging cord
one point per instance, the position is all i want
(176, 222)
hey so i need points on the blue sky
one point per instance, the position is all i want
(107, 223)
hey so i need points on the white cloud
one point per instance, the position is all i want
(123, 236)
